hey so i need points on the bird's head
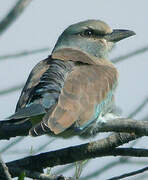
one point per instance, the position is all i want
(87, 40)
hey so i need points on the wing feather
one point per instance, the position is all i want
(84, 88)
(32, 81)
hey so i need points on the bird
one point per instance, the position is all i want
(72, 91)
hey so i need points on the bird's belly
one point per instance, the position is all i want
(94, 112)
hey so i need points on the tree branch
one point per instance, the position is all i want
(139, 108)
(8, 130)
(94, 149)
(130, 174)
(130, 54)
(4, 173)
(121, 160)
(125, 125)
(10, 145)
(132, 152)
(13, 14)
(24, 53)
(112, 164)
(9, 90)
(17, 167)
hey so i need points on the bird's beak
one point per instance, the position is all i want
(119, 34)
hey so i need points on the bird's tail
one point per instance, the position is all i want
(24, 114)
(13, 121)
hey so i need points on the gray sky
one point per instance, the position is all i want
(41, 24)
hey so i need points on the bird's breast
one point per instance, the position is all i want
(96, 91)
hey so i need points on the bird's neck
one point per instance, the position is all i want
(70, 54)
(104, 62)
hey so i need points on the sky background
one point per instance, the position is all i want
(40, 25)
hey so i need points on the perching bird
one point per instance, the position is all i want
(72, 91)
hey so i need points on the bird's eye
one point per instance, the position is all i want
(88, 33)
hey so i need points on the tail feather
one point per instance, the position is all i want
(14, 121)
(30, 111)
(25, 114)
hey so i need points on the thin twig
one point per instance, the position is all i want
(4, 173)
(13, 14)
(139, 108)
(130, 54)
(44, 146)
(98, 172)
(24, 53)
(39, 149)
(112, 164)
(130, 174)
(12, 89)
(10, 145)
(142, 176)
(145, 118)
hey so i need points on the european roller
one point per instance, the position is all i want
(72, 91)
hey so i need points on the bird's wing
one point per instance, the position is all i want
(41, 91)
(25, 108)
(32, 81)
(84, 88)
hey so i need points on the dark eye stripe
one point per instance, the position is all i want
(91, 33)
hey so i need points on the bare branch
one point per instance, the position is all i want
(4, 173)
(145, 118)
(112, 164)
(8, 130)
(132, 152)
(130, 174)
(94, 149)
(24, 53)
(14, 13)
(125, 125)
(139, 108)
(10, 145)
(9, 90)
(122, 160)
(100, 171)
(130, 54)
(19, 166)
